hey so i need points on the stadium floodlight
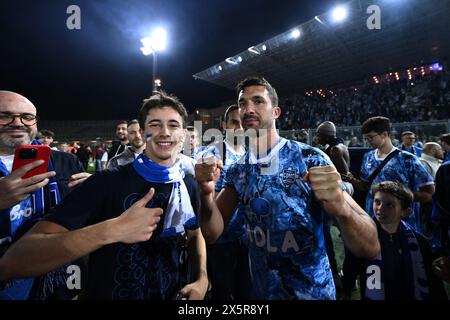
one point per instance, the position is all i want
(231, 61)
(239, 59)
(318, 19)
(339, 13)
(295, 33)
(253, 50)
(156, 42)
(151, 45)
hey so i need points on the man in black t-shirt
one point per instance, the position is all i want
(136, 237)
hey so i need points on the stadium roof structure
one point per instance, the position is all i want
(324, 53)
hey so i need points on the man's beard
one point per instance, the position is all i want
(9, 144)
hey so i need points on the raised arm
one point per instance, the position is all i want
(215, 212)
(357, 228)
(48, 246)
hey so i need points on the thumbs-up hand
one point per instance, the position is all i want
(138, 222)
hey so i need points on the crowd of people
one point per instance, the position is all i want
(246, 217)
(423, 98)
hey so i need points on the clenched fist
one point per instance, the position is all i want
(326, 184)
(207, 172)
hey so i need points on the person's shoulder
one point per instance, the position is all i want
(406, 154)
(306, 150)
(56, 154)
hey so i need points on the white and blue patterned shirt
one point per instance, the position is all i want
(405, 168)
(284, 222)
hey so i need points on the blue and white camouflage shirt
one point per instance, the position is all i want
(284, 223)
(405, 168)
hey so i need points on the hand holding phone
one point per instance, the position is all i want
(16, 186)
(26, 154)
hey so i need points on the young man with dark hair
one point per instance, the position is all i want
(400, 166)
(282, 187)
(134, 221)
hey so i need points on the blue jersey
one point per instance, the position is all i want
(446, 156)
(234, 229)
(284, 224)
(415, 150)
(405, 168)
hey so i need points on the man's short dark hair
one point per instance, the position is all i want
(121, 122)
(131, 122)
(161, 100)
(376, 124)
(398, 190)
(259, 81)
(445, 137)
(231, 108)
(407, 133)
(46, 133)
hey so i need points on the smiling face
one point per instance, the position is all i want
(121, 131)
(388, 210)
(15, 133)
(164, 133)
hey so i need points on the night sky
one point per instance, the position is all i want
(99, 72)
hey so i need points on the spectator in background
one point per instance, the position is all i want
(441, 223)
(354, 143)
(402, 166)
(432, 156)
(63, 147)
(118, 146)
(444, 141)
(136, 146)
(83, 155)
(408, 141)
(46, 137)
(227, 257)
(194, 144)
(99, 151)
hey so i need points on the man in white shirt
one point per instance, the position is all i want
(432, 156)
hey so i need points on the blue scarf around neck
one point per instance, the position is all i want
(179, 215)
(414, 269)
